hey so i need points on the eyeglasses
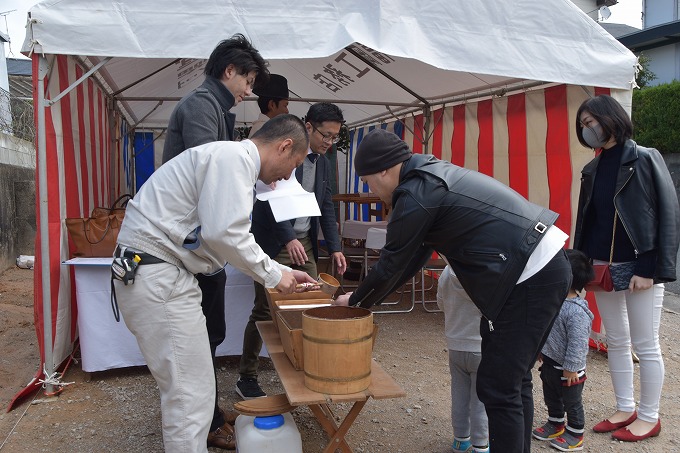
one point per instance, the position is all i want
(327, 138)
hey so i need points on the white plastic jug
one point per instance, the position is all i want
(273, 434)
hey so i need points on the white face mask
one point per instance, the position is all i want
(593, 136)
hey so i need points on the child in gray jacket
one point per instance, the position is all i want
(563, 371)
(461, 324)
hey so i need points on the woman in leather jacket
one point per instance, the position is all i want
(628, 215)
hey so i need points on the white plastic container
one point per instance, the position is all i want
(274, 434)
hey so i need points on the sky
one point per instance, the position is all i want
(13, 15)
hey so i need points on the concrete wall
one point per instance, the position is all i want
(17, 200)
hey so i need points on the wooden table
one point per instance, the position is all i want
(362, 199)
(382, 387)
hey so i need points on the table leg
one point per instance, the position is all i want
(336, 433)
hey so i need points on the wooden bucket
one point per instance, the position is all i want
(337, 343)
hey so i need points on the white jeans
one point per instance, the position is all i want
(163, 310)
(634, 317)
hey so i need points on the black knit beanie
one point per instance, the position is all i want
(378, 151)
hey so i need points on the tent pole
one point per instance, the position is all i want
(48, 366)
(426, 128)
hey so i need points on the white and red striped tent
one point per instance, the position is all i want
(483, 78)
(526, 140)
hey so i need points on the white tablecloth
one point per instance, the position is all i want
(107, 344)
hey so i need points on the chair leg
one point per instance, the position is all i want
(406, 310)
(422, 292)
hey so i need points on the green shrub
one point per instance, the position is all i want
(656, 117)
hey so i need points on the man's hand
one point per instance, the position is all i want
(340, 262)
(342, 300)
(304, 277)
(287, 283)
(296, 252)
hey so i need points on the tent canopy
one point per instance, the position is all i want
(375, 58)
(113, 67)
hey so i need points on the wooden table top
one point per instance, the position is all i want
(382, 386)
(356, 198)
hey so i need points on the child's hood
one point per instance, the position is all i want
(581, 303)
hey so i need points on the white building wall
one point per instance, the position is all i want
(588, 6)
(16, 152)
(4, 79)
(659, 12)
(663, 62)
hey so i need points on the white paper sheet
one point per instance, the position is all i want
(288, 200)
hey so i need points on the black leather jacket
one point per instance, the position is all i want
(486, 231)
(646, 202)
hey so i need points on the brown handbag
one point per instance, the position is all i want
(96, 236)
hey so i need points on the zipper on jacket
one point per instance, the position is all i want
(635, 247)
(490, 326)
(483, 253)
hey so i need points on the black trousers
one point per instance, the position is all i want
(560, 398)
(510, 350)
(212, 303)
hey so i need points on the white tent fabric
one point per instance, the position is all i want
(378, 59)
(418, 53)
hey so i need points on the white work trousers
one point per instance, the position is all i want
(634, 317)
(163, 310)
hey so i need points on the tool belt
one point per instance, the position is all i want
(124, 268)
(144, 258)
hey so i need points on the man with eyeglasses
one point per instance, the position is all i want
(295, 242)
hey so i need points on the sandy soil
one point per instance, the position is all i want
(118, 410)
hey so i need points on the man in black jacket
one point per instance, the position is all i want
(295, 242)
(506, 252)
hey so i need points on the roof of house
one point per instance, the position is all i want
(19, 72)
(19, 66)
(652, 37)
(617, 30)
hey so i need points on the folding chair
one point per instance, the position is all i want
(375, 240)
(433, 265)
(353, 238)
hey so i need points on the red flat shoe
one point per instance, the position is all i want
(605, 426)
(626, 436)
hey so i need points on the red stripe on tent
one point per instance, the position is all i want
(599, 91)
(104, 162)
(458, 137)
(558, 159)
(485, 141)
(596, 324)
(517, 146)
(418, 134)
(93, 149)
(53, 224)
(84, 173)
(71, 188)
(437, 134)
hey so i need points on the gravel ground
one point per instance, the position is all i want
(118, 410)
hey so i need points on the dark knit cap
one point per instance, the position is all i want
(276, 87)
(378, 151)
